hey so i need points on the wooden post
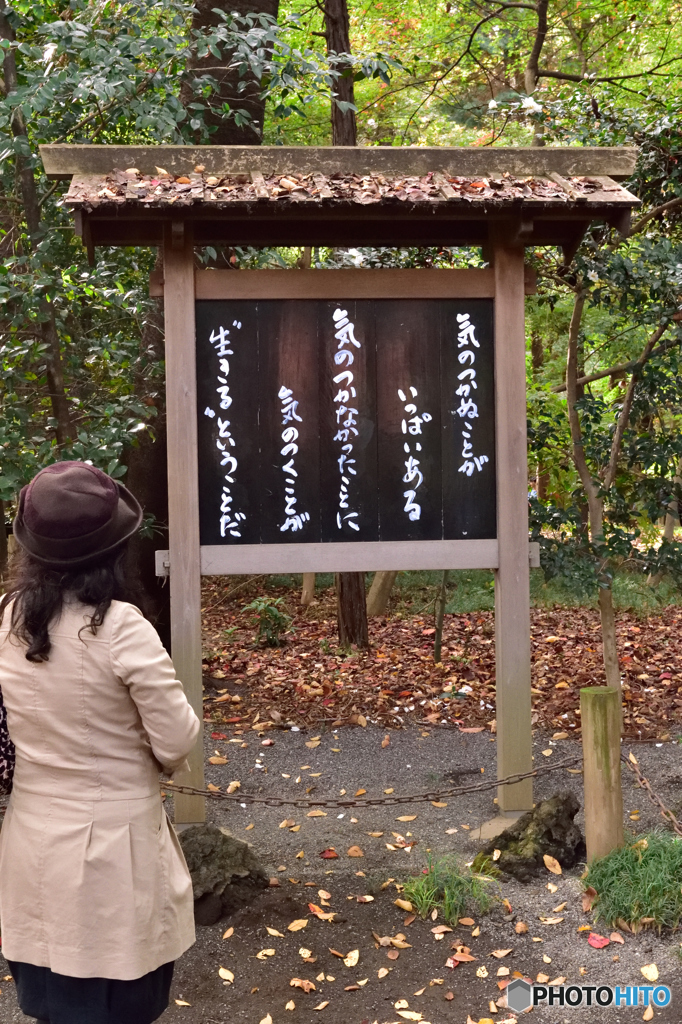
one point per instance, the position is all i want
(183, 494)
(512, 581)
(600, 717)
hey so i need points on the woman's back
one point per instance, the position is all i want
(102, 715)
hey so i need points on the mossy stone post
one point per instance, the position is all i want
(600, 714)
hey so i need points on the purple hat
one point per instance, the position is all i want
(72, 514)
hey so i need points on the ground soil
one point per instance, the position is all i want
(396, 682)
(416, 759)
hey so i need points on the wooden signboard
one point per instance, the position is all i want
(343, 422)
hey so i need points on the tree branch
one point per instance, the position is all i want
(590, 486)
(656, 212)
(624, 415)
(565, 76)
(531, 73)
(619, 368)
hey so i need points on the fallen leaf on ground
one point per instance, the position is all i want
(234, 786)
(229, 933)
(218, 760)
(466, 920)
(597, 941)
(365, 899)
(551, 920)
(323, 894)
(307, 986)
(410, 1014)
(648, 1013)
(502, 972)
(321, 1006)
(265, 953)
(589, 896)
(267, 1019)
(557, 910)
(181, 1002)
(650, 972)
(295, 926)
(552, 864)
(542, 979)
(382, 972)
(406, 817)
(329, 854)
(499, 953)
(351, 959)
(355, 851)
(520, 927)
(403, 904)
(393, 954)
(617, 937)
(317, 813)
(440, 929)
(385, 742)
(291, 1005)
(225, 974)
(438, 803)
(270, 931)
(401, 1004)
(481, 972)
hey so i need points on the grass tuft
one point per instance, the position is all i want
(451, 890)
(641, 883)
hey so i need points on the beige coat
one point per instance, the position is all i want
(93, 882)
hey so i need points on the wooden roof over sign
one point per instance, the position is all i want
(273, 195)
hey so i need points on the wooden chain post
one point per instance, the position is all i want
(512, 580)
(183, 495)
(600, 717)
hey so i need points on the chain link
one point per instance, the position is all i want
(386, 801)
(653, 797)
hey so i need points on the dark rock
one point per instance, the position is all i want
(214, 857)
(548, 829)
(208, 909)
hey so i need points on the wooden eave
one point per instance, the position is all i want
(232, 195)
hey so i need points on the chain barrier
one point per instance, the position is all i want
(653, 797)
(336, 803)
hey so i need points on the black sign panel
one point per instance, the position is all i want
(345, 420)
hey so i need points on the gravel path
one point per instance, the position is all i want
(414, 760)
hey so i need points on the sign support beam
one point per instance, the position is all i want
(183, 496)
(512, 581)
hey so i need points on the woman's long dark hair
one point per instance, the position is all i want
(37, 595)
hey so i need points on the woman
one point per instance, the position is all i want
(95, 895)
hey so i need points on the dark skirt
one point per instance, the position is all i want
(62, 1000)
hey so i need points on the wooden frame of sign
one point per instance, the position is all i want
(508, 554)
(232, 196)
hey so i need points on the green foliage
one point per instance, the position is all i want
(271, 622)
(451, 890)
(640, 880)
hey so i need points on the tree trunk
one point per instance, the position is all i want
(592, 493)
(380, 592)
(351, 609)
(337, 33)
(3, 543)
(308, 589)
(441, 601)
(608, 631)
(227, 133)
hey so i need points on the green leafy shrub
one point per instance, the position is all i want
(272, 623)
(452, 890)
(640, 884)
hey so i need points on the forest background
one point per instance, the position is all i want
(82, 372)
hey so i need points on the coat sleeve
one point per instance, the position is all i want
(142, 664)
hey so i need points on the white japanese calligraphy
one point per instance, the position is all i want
(294, 520)
(467, 409)
(230, 520)
(346, 415)
(412, 424)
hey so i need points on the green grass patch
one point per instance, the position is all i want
(641, 883)
(452, 890)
